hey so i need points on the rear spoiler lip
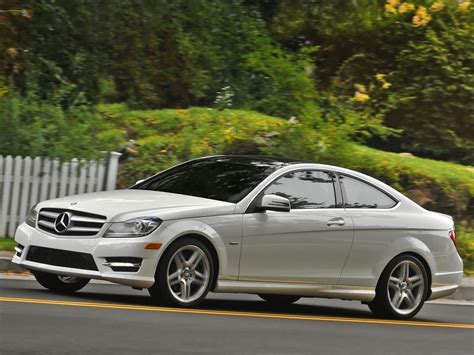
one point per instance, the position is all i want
(445, 216)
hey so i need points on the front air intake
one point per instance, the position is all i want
(64, 258)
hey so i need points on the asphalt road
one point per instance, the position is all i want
(109, 319)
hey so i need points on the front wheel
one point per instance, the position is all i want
(60, 283)
(184, 275)
(402, 289)
(280, 300)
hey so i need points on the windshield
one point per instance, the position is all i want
(227, 179)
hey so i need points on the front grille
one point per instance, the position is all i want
(63, 258)
(80, 223)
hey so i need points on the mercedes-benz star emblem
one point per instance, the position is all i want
(62, 222)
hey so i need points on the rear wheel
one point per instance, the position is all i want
(402, 289)
(279, 299)
(60, 283)
(184, 274)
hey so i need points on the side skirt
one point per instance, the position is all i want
(364, 294)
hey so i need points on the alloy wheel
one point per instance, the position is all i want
(188, 273)
(405, 287)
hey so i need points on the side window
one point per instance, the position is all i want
(358, 194)
(305, 189)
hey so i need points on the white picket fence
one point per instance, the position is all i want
(24, 181)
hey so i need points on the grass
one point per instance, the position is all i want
(7, 244)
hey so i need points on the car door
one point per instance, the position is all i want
(308, 244)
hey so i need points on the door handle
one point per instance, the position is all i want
(338, 221)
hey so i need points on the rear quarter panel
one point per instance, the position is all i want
(381, 235)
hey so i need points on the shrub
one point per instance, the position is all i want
(465, 246)
(29, 126)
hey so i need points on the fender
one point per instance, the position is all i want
(173, 230)
(407, 244)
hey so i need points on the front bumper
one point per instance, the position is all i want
(99, 248)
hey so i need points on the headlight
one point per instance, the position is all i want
(135, 227)
(31, 216)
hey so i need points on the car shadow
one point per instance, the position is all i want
(117, 294)
(212, 304)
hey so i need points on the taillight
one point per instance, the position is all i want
(452, 235)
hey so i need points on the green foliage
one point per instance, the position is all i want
(426, 87)
(32, 127)
(7, 244)
(465, 246)
(407, 65)
(153, 54)
(421, 52)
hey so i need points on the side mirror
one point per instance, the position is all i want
(274, 203)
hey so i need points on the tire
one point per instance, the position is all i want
(184, 274)
(400, 294)
(280, 300)
(58, 283)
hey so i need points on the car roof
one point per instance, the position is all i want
(243, 159)
(286, 165)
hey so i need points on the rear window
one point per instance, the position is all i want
(359, 194)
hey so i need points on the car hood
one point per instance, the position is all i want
(120, 205)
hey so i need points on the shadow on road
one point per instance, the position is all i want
(251, 306)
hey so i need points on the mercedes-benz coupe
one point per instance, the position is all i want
(280, 229)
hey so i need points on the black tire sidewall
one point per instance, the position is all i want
(53, 283)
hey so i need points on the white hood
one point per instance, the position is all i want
(123, 204)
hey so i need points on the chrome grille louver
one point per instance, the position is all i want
(80, 224)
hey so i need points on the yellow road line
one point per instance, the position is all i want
(234, 313)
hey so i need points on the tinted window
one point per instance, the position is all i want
(361, 195)
(220, 178)
(305, 189)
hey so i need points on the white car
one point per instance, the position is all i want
(279, 229)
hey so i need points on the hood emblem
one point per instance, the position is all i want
(62, 222)
(73, 203)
